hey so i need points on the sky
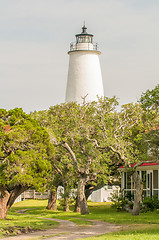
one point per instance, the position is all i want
(35, 36)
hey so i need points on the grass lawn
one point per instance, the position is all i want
(142, 227)
(131, 235)
(15, 222)
(140, 232)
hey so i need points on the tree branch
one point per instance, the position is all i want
(67, 147)
(57, 169)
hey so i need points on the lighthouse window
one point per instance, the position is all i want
(84, 39)
(80, 39)
(87, 39)
(90, 39)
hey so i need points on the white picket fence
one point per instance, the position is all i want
(32, 194)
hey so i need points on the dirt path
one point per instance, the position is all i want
(68, 230)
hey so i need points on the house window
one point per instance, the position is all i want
(127, 180)
(125, 175)
(149, 183)
(144, 179)
(155, 182)
(155, 179)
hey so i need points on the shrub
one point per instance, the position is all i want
(121, 202)
(150, 204)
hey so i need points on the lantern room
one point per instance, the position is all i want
(84, 41)
(84, 37)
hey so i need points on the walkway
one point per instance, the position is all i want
(68, 230)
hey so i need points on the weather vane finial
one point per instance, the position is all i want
(84, 28)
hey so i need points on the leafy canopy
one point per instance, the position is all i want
(25, 151)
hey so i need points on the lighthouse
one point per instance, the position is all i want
(84, 82)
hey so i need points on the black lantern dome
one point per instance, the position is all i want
(84, 37)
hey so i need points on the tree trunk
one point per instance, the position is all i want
(81, 195)
(137, 194)
(83, 206)
(66, 199)
(3, 204)
(52, 200)
(66, 204)
(7, 199)
(77, 204)
(15, 193)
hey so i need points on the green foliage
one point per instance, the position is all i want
(117, 200)
(150, 99)
(152, 139)
(150, 204)
(25, 151)
(120, 202)
(75, 125)
(98, 135)
(150, 103)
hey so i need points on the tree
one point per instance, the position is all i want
(71, 130)
(96, 139)
(25, 154)
(65, 175)
(62, 167)
(150, 99)
(122, 133)
(53, 183)
(150, 104)
(146, 139)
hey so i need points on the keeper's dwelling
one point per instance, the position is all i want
(149, 174)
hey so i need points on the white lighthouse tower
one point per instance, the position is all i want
(84, 74)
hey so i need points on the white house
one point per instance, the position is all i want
(149, 174)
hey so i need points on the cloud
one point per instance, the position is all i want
(35, 37)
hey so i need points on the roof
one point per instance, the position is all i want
(84, 32)
(143, 164)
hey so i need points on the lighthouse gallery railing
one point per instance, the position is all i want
(87, 46)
